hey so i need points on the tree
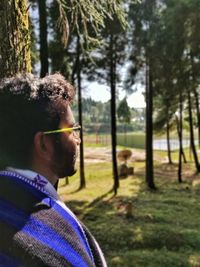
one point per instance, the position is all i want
(184, 15)
(107, 60)
(180, 135)
(192, 143)
(164, 119)
(123, 111)
(143, 19)
(43, 38)
(112, 74)
(175, 74)
(79, 68)
(14, 38)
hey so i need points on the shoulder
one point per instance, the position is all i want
(34, 227)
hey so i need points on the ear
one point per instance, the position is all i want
(43, 146)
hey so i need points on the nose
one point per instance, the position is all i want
(76, 135)
(78, 140)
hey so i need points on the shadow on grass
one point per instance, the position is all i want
(77, 190)
(168, 172)
(163, 230)
(100, 198)
(76, 206)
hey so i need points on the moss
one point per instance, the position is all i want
(14, 38)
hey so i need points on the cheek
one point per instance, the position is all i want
(69, 145)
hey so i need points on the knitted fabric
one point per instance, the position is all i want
(36, 231)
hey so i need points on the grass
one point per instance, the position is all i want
(164, 229)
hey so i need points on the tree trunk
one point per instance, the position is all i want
(196, 95)
(180, 133)
(82, 171)
(192, 134)
(184, 157)
(149, 129)
(43, 38)
(168, 143)
(14, 38)
(113, 114)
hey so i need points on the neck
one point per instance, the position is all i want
(46, 172)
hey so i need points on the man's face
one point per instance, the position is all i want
(65, 147)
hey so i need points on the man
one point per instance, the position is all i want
(38, 145)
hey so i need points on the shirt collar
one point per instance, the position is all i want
(38, 180)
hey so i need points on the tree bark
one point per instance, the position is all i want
(14, 38)
(82, 170)
(113, 114)
(149, 129)
(192, 134)
(43, 38)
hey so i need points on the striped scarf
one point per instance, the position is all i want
(36, 231)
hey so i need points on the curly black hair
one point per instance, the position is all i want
(29, 104)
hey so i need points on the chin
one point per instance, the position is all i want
(66, 173)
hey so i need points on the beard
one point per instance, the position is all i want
(64, 159)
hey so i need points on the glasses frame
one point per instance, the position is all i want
(69, 130)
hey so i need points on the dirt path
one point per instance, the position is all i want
(103, 154)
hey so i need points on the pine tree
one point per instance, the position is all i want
(143, 18)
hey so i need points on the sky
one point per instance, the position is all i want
(99, 92)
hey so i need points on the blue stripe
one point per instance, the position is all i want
(41, 232)
(68, 217)
(16, 218)
(6, 261)
(53, 240)
(50, 202)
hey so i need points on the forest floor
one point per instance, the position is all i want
(138, 227)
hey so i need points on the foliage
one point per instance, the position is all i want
(96, 115)
(123, 111)
(82, 15)
(94, 111)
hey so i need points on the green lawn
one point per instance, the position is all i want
(164, 229)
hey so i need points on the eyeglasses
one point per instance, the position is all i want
(75, 128)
